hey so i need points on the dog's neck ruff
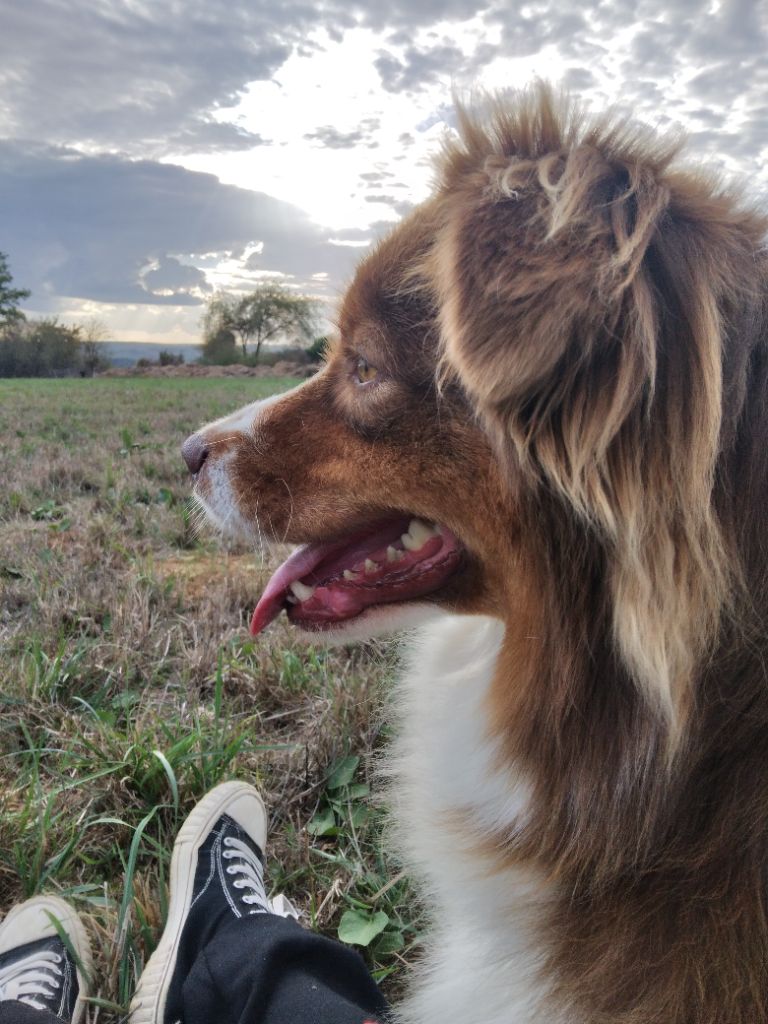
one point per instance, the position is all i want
(448, 792)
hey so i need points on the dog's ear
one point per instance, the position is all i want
(580, 285)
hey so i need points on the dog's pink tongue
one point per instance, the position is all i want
(340, 579)
(301, 562)
(332, 555)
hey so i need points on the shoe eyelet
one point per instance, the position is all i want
(231, 871)
(227, 841)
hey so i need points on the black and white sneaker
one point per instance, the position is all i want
(217, 872)
(36, 967)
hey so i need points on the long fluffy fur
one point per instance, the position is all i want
(572, 341)
(587, 294)
(607, 315)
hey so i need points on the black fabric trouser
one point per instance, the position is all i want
(264, 969)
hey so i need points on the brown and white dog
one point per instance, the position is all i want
(542, 441)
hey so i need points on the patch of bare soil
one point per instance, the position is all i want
(195, 572)
(283, 368)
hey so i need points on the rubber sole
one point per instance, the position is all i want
(148, 1003)
(75, 932)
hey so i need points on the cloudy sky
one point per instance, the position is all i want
(154, 151)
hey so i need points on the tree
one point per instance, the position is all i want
(266, 313)
(92, 352)
(167, 358)
(220, 348)
(40, 348)
(9, 297)
(318, 349)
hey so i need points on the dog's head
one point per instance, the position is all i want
(543, 390)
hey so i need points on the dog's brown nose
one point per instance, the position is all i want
(195, 452)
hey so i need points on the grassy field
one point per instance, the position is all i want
(129, 685)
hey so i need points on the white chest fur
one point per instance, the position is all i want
(484, 960)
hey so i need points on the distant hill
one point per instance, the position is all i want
(127, 353)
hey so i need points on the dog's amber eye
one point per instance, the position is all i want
(364, 372)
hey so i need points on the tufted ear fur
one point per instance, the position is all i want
(584, 288)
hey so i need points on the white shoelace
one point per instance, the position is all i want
(29, 980)
(249, 871)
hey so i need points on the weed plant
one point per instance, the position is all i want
(129, 685)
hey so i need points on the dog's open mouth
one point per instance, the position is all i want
(322, 584)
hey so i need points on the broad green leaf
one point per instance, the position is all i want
(322, 823)
(360, 929)
(358, 816)
(343, 772)
(390, 942)
(358, 791)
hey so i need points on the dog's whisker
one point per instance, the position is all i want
(287, 529)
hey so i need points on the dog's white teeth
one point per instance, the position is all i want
(301, 590)
(291, 599)
(349, 575)
(418, 534)
(371, 566)
(393, 555)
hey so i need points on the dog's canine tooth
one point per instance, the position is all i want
(418, 534)
(301, 590)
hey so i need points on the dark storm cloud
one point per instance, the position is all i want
(112, 230)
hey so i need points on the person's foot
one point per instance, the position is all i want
(36, 967)
(216, 874)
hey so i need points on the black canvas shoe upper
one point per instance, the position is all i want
(41, 974)
(229, 881)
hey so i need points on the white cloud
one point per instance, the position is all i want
(302, 115)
